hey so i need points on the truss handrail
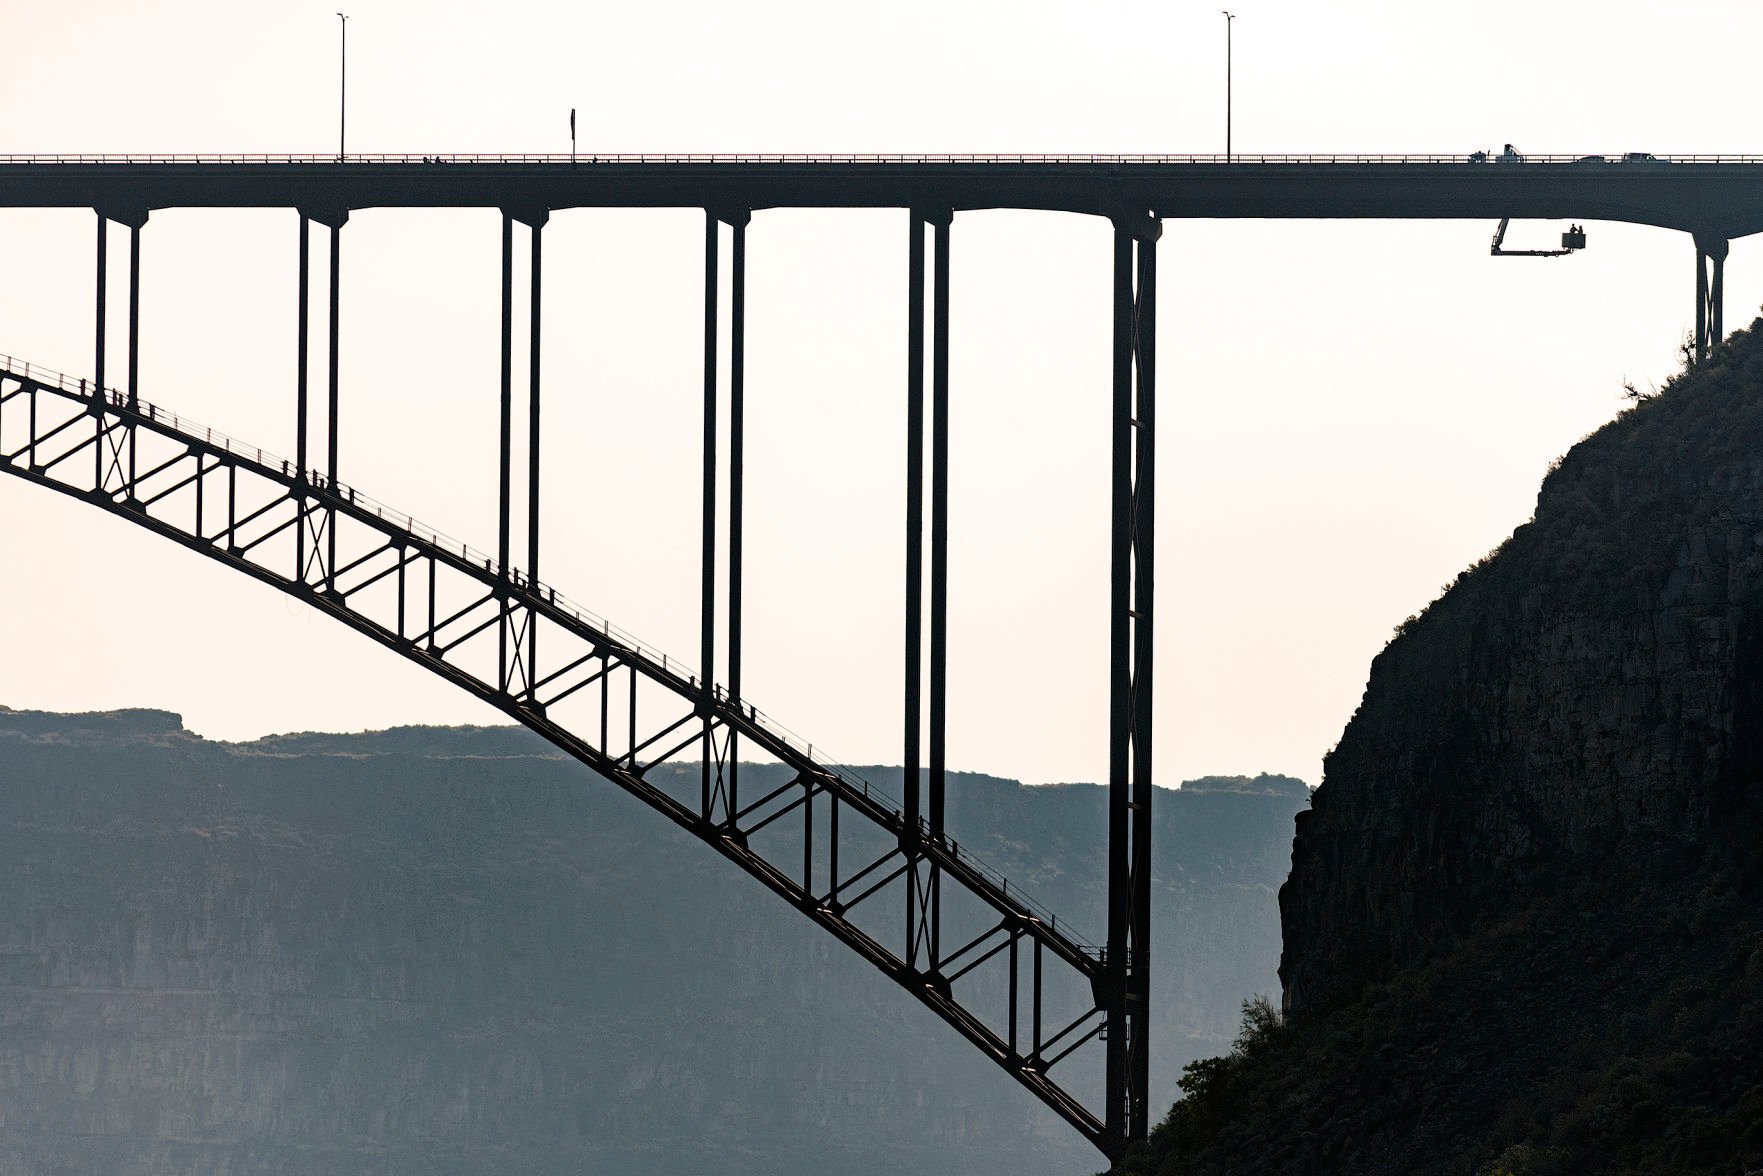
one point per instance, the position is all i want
(589, 159)
(684, 677)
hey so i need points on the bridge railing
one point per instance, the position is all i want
(400, 521)
(591, 159)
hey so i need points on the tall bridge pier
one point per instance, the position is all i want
(1710, 292)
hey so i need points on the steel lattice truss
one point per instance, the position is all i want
(928, 915)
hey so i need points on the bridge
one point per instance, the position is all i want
(881, 873)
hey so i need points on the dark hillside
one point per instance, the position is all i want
(1524, 926)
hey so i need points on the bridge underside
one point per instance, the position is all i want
(1716, 196)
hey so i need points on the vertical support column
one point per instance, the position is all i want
(1130, 660)
(939, 520)
(924, 803)
(135, 315)
(103, 285)
(134, 336)
(535, 223)
(1711, 252)
(737, 444)
(1701, 302)
(939, 563)
(318, 524)
(300, 356)
(332, 399)
(914, 528)
(134, 219)
(719, 790)
(707, 563)
(520, 640)
(505, 465)
(532, 471)
(334, 219)
(1138, 993)
(98, 325)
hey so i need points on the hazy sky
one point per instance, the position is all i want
(1350, 411)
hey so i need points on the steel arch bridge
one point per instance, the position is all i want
(883, 875)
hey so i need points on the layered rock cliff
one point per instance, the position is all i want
(1523, 931)
(1581, 696)
(452, 951)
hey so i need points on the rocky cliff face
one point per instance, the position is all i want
(454, 952)
(1578, 697)
(1524, 924)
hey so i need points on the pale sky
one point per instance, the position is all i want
(1350, 412)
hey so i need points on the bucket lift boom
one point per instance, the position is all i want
(1572, 241)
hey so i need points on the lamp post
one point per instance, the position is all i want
(1229, 19)
(343, 93)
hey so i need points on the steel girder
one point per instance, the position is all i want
(1027, 993)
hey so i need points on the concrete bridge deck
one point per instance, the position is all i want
(1714, 196)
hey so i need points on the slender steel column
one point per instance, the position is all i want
(537, 226)
(330, 531)
(1717, 295)
(1120, 694)
(1138, 993)
(505, 436)
(939, 517)
(911, 835)
(335, 323)
(707, 627)
(505, 468)
(1130, 660)
(134, 336)
(914, 525)
(939, 561)
(707, 586)
(134, 320)
(1701, 301)
(300, 358)
(103, 284)
(737, 442)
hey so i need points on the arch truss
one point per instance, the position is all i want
(882, 874)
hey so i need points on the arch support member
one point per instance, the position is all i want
(316, 546)
(719, 792)
(1710, 292)
(924, 797)
(116, 455)
(1131, 583)
(517, 641)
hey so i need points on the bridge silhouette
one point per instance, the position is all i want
(881, 873)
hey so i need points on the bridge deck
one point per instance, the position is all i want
(1715, 195)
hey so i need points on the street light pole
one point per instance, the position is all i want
(343, 94)
(1229, 19)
